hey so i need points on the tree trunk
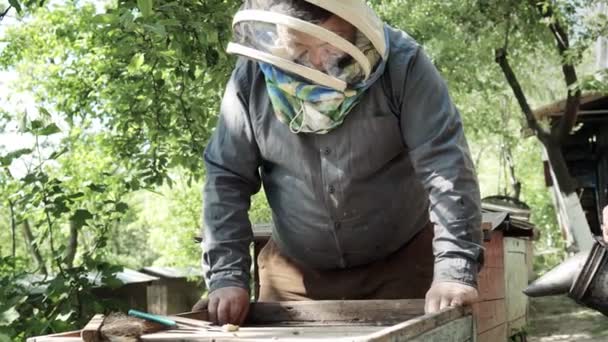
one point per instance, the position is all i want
(551, 140)
(515, 183)
(567, 184)
(72, 246)
(33, 246)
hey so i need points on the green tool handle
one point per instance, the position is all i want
(153, 318)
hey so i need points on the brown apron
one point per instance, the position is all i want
(406, 273)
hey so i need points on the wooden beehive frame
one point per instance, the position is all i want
(364, 320)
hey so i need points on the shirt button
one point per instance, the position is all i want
(331, 189)
(327, 151)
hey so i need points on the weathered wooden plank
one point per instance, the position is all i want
(517, 325)
(185, 321)
(262, 232)
(90, 333)
(459, 330)
(200, 315)
(333, 320)
(496, 334)
(494, 250)
(271, 334)
(491, 283)
(516, 273)
(54, 339)
(357, 311)
(489, 314)
(414, 327)
(73, 335)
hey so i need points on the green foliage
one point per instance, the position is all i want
(31, 305)
(128, 96)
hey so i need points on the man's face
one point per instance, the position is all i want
(315, 53)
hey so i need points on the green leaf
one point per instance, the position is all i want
(36, 124)
(112, 282)
(136, 62)
(101, 188)
(8, 158)
(16, 4)
(156, 29)
(57, 154)
(76, 195)
(9, 316)
(122, 207)
(81, 216)
(212, 37)
(48, 130)
(44, 112)
(169, 22)
(145, 6)
(106, 18)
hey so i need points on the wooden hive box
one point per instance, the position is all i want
(503, 308)
(361, 321)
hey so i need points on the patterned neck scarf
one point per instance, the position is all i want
(311, 108)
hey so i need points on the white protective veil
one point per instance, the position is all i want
(265, 31)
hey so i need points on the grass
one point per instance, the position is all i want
(559, 318)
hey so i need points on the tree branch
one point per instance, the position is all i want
(3, 14)
(13, 229)
(33, 246)
(515, 183)
(501, 59)
(573, 100)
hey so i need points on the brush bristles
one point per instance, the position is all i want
(118, 327)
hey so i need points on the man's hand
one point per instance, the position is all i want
(605, 224)
(444, 294)
(228, 305)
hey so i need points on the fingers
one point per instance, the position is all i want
(243, 315)
(235, 314)
(223, 312)
(457, 302)
(432, 303)
(443, 295)
(213, 304)
(201, 305)
(445, 302)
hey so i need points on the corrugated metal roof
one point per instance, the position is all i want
(127, 277)
(589, 103)
(37, 283)
(173, 272)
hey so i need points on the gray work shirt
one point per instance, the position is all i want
(354, 195)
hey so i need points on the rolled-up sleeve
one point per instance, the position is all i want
(433, 132)
(232, 159)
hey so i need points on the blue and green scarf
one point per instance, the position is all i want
(310, 108)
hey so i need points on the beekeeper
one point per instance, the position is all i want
(351, 131)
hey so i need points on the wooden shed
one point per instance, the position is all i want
(586, 154)
(133, 292)
(174, 290)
